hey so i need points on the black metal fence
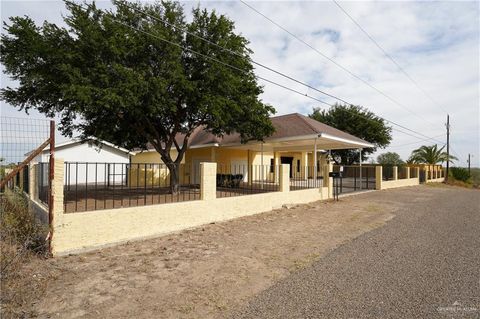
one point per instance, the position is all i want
(238, 180)
(43, 189)
(304, 177)
(95, 186)
(354, 178)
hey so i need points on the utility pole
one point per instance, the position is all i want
(448, 146)
(469, 164)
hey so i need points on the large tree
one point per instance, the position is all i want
(130, 75)
(430, 155)
(390, 158)
(359, 122)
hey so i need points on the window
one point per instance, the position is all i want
(272, 164)
(298, 166)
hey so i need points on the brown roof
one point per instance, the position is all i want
(289, 125)
(297, 125)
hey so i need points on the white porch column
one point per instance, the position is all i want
(304, 163)
(315, 164)
(276, 163)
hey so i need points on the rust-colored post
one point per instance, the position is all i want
(51, 175)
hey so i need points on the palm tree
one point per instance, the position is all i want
(430, 155)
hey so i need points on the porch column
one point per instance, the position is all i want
(250, 167)
(315, 164)
(304, 163)
(276, 168)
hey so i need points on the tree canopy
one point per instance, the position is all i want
(390, 158)
(359, 122)
(130, 75)
(430, 155)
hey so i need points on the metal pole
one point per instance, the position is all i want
(360, 162)
(448, 146)
(469, 165)
(261, 164)
(51, 174)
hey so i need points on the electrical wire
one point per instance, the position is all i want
(388, 56)
(337, 64)
(262, 78)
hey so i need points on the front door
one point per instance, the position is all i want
(287, 160)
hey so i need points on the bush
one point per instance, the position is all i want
(460, 174)
(22, 244)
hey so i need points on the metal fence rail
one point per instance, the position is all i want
(305, 177)
(238, 180)
(96, 186)
(43, 184)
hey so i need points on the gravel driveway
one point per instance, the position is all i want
(425, 263)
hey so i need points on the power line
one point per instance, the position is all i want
(261, 78)
(263, 66)
(406, 144)
(388, 55)
(336, 63)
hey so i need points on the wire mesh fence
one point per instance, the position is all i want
(95, 186)
(20, 136)
(238, 180)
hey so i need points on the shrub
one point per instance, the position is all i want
(460, 174)
(22, 242)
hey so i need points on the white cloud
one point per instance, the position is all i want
(437, 43)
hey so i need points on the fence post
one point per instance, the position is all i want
(32, 183)
(378, 177)
(395, 172)
(284, 177)
(407, 172)
(208, 181)
(327, 169)
(56, 209)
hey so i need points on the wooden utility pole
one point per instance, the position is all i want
(448, 146)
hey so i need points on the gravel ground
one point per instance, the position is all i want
(425, 263)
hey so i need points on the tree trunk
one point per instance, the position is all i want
(174, 170)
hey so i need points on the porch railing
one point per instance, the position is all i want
(238, 180)
(305, 177)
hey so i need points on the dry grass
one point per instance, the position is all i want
(22, 259)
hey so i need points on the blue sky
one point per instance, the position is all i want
(437, 43)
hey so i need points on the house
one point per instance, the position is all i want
(93, 156)
(298, 140)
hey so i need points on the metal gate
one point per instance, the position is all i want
(353, 178)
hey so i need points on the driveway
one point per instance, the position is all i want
(424, 263)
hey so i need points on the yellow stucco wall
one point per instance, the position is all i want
(89, 230)
(152, 157)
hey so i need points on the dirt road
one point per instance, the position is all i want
(215, 270)
(425, 263)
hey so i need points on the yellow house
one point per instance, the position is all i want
(298, 140)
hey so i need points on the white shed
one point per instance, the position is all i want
(91, 161)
